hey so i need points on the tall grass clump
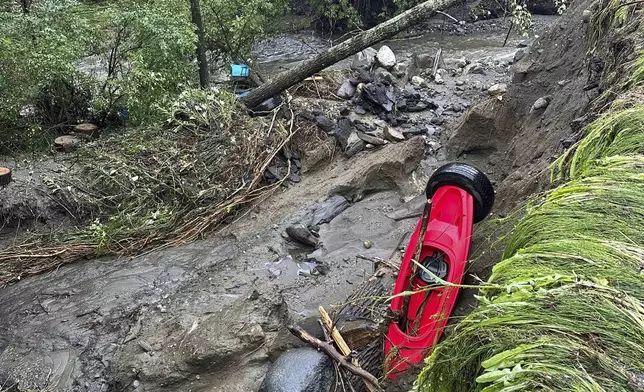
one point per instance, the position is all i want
(564, 309)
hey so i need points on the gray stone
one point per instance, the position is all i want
(354, 145)
(302, 234)
(586, 15)
(460, 82)
(383, 76)
(324, 123)
(346, 90)
(438, 79)
(424, 60)
(454, 63)
(364, 59)
(519, 55)
(541, 103)
(418, 81)
(386, 57)
(497, 89)
(300, 370)
(342, 131)
(371, 139)
(329, 209)
(474, 68)
(393, 135)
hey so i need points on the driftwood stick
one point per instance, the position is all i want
(437, 61)
(447, 15)
(333, 353)
(335, 334)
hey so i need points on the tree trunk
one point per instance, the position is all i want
(353, 45)
(201, 45)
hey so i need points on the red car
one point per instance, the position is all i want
(460, 195)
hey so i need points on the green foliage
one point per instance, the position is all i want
(231, 26)
(336, 15)
(72, 62)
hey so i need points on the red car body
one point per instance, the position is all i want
(449, 231)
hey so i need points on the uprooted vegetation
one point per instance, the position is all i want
(564, 309)
(161, 185)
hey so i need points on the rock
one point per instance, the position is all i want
(431, 131)
(354, 145)
(367, 244)
(364, 59)
(540, 103)
(438, 120)
(380, 95)
(324, 123)
(393, 135)
(386, 57)
(478, 129)
(418, 81)
(346, 90)
(302, 234)
(329, 209)
(370, 139)
(460, 82)
(526, 43)
(411, 132)
(300, 370)
(454, 63)
(438, 79)
(424, 60)
(342, 131)
(359, 110)
(383, 76)
(254, 334)
(417, 107)
(586, 15)
(66, 143)
(402, 70)
(519, 55)
(497, 89)
(474, 68)
(345, 111)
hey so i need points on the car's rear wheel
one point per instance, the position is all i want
(468, 178)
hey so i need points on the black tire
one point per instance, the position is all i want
(5, 176)
(469, 178)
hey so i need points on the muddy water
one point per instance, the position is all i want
(285, 51)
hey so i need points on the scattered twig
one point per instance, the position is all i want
(378, 260)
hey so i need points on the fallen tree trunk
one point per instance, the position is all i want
(353, 45)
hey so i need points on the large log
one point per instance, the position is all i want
(341, 51)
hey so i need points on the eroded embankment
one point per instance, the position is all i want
(564, 310)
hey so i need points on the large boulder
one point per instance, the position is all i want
(478, 130)
(386, 57)
(300, 370)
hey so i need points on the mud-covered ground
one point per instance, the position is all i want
(211, 316)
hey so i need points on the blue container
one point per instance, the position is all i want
(239, 70)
